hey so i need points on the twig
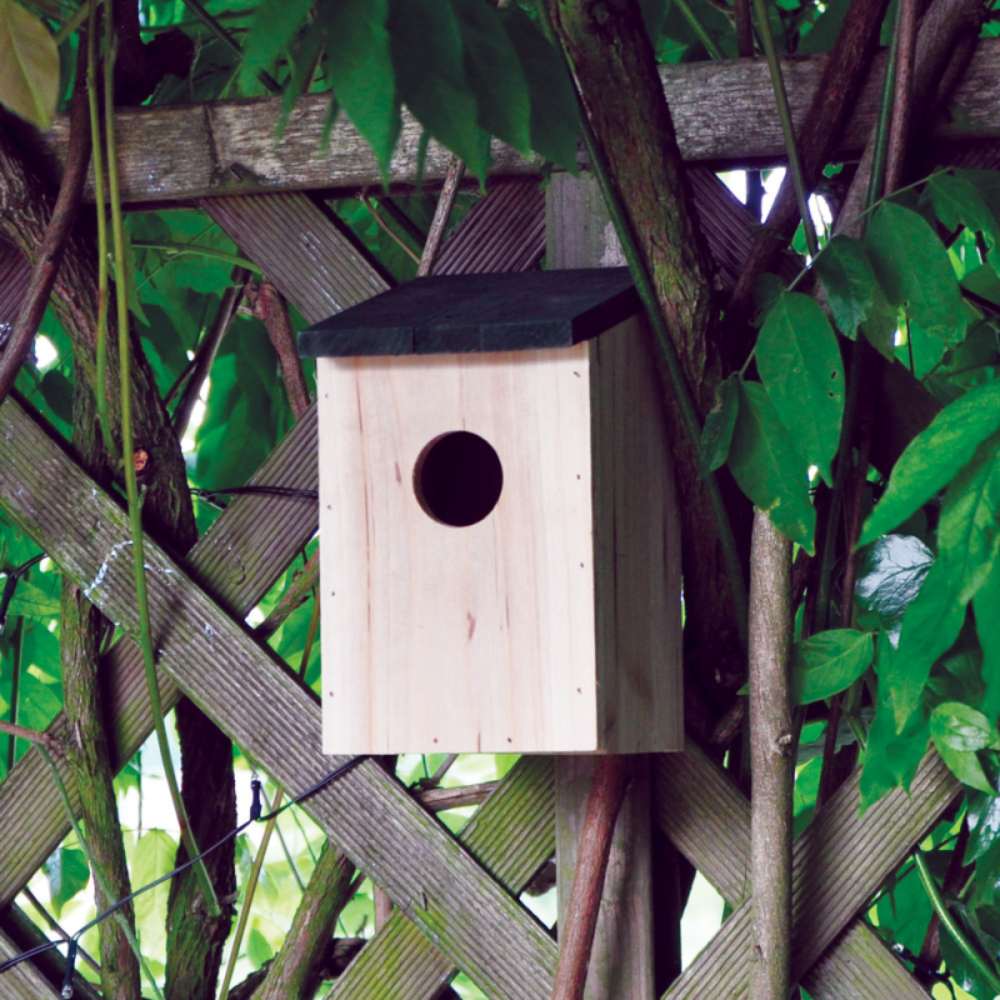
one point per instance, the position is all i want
(31, 735)
(772, 761)
(577, 929)
(297, 593)
(384, 226)
(982, 966)
(207, 350)
(50, 253)
(281, 838)
(268, 305)
(744, 30)
(248, 894)
(442, 212)
(787, 128)
(899, 131)
(438, 799)
(954, 879)
(435, 779)
(132, 492)
(712, 47)
(55, 926)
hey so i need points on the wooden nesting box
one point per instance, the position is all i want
(500, 565)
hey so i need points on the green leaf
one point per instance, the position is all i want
(359, 61)
(29, 66)
(768, 468)
(429, 63)
(33, 602)
(957, 203)
(890, 759)
(554, 121)
(881, 325)
(829, 662)
(258, 950)
(984, 282)
(934, 456)
(68, 872)
(849, 281)
(719, 424)
(930, 627)
(800, 365)
(890, 577)
(970, 518)
(913, 268)
(493, 71)
(154, 856)
(274, 25)
(958, 732)
(984, 606)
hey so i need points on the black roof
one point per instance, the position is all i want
(478, 313)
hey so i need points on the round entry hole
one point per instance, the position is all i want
(458, 479)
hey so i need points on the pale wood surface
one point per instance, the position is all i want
(723, 112)
(472, 639)
(247, 693)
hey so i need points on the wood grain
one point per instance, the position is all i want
(723, 112)
(241, 686)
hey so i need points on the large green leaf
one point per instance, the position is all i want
(957, 202)
(359, 61)
(891, 575)
(33, 602)
(958, 732)
(800, 365)
(913, 268)
(494, 72)
(429, 62)
(933, 457)
(986, 607)
(29, 65)
(930, 626)
(970, 518)
(768, 468)
(849, 281)
(717, 433)
(154, 856)
(273, 27)
(67, 870)
(554, 115)
(829, 662)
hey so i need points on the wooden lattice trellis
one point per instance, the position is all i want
(456, 898)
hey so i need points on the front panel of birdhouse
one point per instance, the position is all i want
(500, 561)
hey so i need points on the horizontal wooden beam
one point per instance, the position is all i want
(723, 111)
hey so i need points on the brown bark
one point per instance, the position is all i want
(269, 307)
(293, 974)
(772, 761)
(576, 934)
(623, 101)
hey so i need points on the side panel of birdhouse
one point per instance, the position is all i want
(448, 638)
(637, 549)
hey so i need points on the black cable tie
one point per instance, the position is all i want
(67, 990)
(255, 806)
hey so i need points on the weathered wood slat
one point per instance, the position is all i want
(838, 863)
(511, 836)
(304, 252)
(238, 560)
(14, 277)
(708, 818)
(24, 981)
(724, 113)
(250, 696)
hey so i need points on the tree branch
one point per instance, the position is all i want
(270, 308)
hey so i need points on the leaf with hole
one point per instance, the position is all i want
(934, 457)
(800, 365)
(359, 60)
(849, 281)
(829, 662)
(719, 425)
(29, 66)
(429, 62)
(768, 469)
(913, 269)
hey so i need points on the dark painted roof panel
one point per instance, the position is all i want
(479, 313)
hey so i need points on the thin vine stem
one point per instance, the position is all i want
(712, 47)
(175, 250)
(95, 869)
(951, 925)
(131, 484)
(103, 417)
(787, 128)
(690, 422)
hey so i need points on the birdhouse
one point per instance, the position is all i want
(500, 555)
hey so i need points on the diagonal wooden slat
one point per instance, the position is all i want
(511, 836)
(216, 662)
(839, 862)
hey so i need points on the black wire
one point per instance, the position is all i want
(73, 939)
(10, 586)
(291, 492)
